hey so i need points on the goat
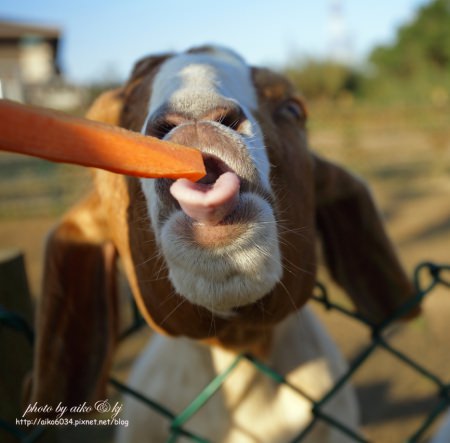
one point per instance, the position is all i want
(218, 267)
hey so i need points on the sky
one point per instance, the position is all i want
(102, 39)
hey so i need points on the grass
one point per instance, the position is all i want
(31, 187)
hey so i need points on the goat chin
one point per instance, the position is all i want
(243, 269)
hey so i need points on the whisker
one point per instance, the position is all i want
(155, 256)
(212, 325)
(291, 299)
(173, 311)
(168, 298)
(297, 268)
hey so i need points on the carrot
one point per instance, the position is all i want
(59, 137)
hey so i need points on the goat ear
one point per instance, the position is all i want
(146, 65)
(110, 107)
(76, 320)
(358, 253)
(107, 107)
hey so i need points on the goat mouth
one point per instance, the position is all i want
(213, 198)
(215, 167)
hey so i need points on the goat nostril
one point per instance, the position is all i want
(159, 128)
(232, 120)
(162, 122)
(229, 116)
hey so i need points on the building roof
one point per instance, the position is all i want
(14, 30)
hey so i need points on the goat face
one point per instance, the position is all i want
(220, 237)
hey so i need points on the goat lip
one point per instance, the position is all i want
(208, 204)
(215, 236)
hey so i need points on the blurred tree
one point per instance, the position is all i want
(319, 79)
(421, 47)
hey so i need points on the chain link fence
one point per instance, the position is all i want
(427, 277)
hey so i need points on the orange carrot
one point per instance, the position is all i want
(62, 138)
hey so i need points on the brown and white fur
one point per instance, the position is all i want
(214, 276)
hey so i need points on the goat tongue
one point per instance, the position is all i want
(207, 203)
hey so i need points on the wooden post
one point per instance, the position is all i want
(16, 352)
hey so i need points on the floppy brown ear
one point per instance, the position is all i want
(77, 315)
(107, 108)
(357, 250)
(76, 325)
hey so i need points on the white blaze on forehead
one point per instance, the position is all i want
(196, 82)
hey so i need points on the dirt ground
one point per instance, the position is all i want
(408, 168)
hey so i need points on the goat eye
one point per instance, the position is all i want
(293, 108)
